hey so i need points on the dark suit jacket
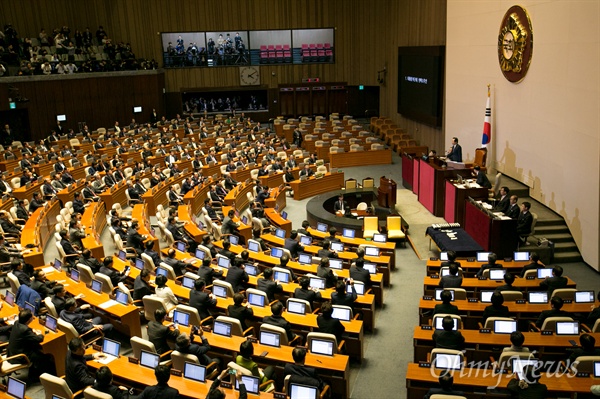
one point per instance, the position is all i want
(531, 266)
(159, 391)
(78, 320)
(550, 313)
(293, 246)
(513, 211)
(456, 154)
(208, 274)
(552, 283)
(270, 287)
(24, 340)
(360, 274)
(327, 274)
(77, 375)
(140, 289)
(178, 266)
(344, 300)
(340, 207)
(448, 339)
(237, 278)
(503, 204)
(451, 281)
(482, 180)
(446, 308)
(241, 313)
(493, 311)
(307, 295)
(202, 302)
(135, 240)
(68, 248)
(280, 322)
(304, 375)
(158, 334)
(329, 325)
(524, 223)
(486, 266)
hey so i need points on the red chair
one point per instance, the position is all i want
(319, 46)
(312, 46)
(279, 56)
(327, 46)
(321, 54)
(287, 56)
(305, 47)
(272, 57)
(264, 57)
(278, 47)
(286, 47)
(263, 48)
(271, 47)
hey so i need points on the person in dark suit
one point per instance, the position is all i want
(524, 221)
(141, 285)
(226, 250)
(27, 341)
(17, 269)
(529, 386)
(240, 311)
(359, 273)
(80, 322)
(67, 246)
(41, 284)
(214, 392)
(455, 151)
(509, 279)
(307, 171)
(36, 202)
(556, 281)
(237, 276)
(149, 250)
(134, 239)
(161, 390)
(178, 266)
(492, 257)
(513, 210)
(556, 304)
(451, 259)
(292, 244)
(594, 314)
(496, 309)
(186, 344)
(22, 213)
(324, 271)
(301, 374)
(201, 300)
(534, 265)
(104, 383)
(445, 306)
(305, 292)
(453, 280)
(304, 228)
(482, 179)
(328, 324)
(159, 334)
(268, 285)
(325, 252)
(229, 226)
(341, 297)
(446, 381)
(587, 348)
(448, 338)
(207, 273)
(77, 374)
(340, 204)
(115, 276)
(503, 200)
(277, 320)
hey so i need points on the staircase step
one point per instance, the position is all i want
(550, 222)
(557, 237)
(551, 229)
(567, 257)
(565, 246)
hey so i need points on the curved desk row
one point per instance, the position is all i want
(37, 231)
(94, 220)
(360, 158)
(313, 186)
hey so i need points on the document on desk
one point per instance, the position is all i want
(48, 270)
(108, 304)
(106, 359)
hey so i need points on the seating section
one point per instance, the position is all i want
(275, 53)
(317, 52)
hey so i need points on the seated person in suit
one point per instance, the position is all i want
(244, 359)
(149, 250)
(524, 221)
(594, 314)
(301, 374)
(240, 311)
(74, 316)
(496, 309)
(534, 265)
(325, 252)
(104, 383)
(207, 273)
(588, 348)
(307, 171)
(307, 293)
(24, 340)
(359, 273)
(277, 320)
(115, 276)
(340, 204)
(283, 264)
(268, 285)
(178, 266)
(292, 244)
(556, 281)
(446, 381)
(237, 276)
(201, 300)
(556, 304)
(77, 374)
(451, 259)
(332, 237)
(453, 280)
(159, 334)
(448, 338)
(492, 257)
(328, 324)
(186, 344)
(517, 339)
(141, 285)
(509, 279)
(513, 208)
(304, 229)
(162, 389)
(445, 306)
(341, 297)
(482, 179)
(529, 386)
(503, 200)
(324, 271)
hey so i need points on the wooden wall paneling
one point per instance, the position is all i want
(287, 102)
(303, 101)
(319, 100)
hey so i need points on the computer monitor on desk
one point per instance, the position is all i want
(538, 297)
(448, 362)
(521, 256)
(482, 256)
(298, 391)
(194, 372)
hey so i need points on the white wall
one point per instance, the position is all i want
(546, 129)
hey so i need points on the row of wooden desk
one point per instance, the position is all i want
(474, 286)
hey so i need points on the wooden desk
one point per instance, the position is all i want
(432, 176)
(9, 166)
(471, 268)
(197, 195)
(493, 234)
(273, 180)
(140, 212)
(245, 230)
(277, 198)
(184, 215)
(158, 195)
(277, 220)
(238, 196)
(313, 186)
(27, 192)
(94, 220)
(243, 174)
(66, 194)
(37, 231)
(115, 195)
(360, 158)
(474, 285)
(45, 169)
(455, 198)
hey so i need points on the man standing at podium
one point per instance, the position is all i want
(455, 152)
(340, 205)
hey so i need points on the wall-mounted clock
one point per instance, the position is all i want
(515, 44)
(249, 76)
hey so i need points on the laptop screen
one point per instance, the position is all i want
(486, 296)
(280, 233)
(567, 328)
(161, 271)
(596, 369)
(223, 262)
(538, 297)
(282, 277)
(75, 275)
(482, 256)
(505, 326)
(584, 297)
(335, 264)
(445, 271)
(360, 288)
(519, 364)
(200, 254)
(50, 323)
(234, 240)
(148, 359)
(348, 233)
(57, 265)
(250, 382)
(269, 338)
(256, 300)
(122, 297)
(337, 246)
(139, 264)
(296, 307)
(16, 388)
(439, 321)
(438, 292)
(305, 240)
(9, 298)
(521, 256)
(371, 251)
(122, 255)
(284, 215)
(371, 267)
(448, 362)
(543, 273)
(222, 328)
(497, 274)
(188, 282)
(317, 282)
(444, 256)
(322, 227)
(30, 307)
(111, 347)
(181, 318)
(379, 238)
(342, 314)
(304, 259)
(321, 347)
(250, 269)
(181, 246)
(253, 246)
(194, 372)
(276, 252)
(245, 219)
(219, 291)
(298, 391)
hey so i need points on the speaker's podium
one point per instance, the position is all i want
(386, 193)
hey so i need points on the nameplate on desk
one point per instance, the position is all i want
(485, 331)
(520, 301)
(97, 348)
(279, 395)
(531, 277)
(473, 300)
(508, 259)
(547, 332)
(133, 360)
(582, 375)
(425, 364)
(178, 282)
(434, 258)
(427, 298)
(226, 385)
(176, 372)
(426, 327)
(568, 301)
(435, 276)
(206, 328)
(470, 259)
(482, 278)
(252, 339)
